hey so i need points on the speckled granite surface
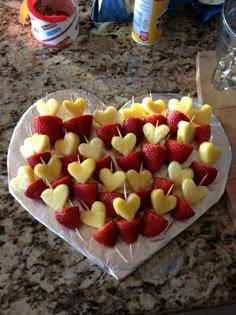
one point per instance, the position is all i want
(39, 273)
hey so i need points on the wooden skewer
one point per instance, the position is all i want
(200, 184)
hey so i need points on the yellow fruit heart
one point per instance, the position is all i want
(25, 176)
(209, 153)
(202, 115)
(35, 144)
(92, 149)
(193, 193)
(68, 145)
(184, 105)
(178, 174)
(140, 180)
(75, 108)
(155, 134)
(136, 110)
(82, 171)
(96, 217)
(127, 208)
(185, 132)
(105, 117)
(56, 198)
(51, 107)
(161, 203)
(124, 145)
(110, 180)
(153, 107)
(50, 171)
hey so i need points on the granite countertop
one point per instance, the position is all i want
(40, 273)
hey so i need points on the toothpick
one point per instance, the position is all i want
(79, 159)
(118, 130)
(46, 97)
(125, 191)
(131, 251)
(132, 99)
(141, 168)
(70, 202)
(84, 204)
(157, 123)
(141, 242)
(192, 119)
(30, 130)
(203, 180)
(80, 235)
(111, 167)
(47, 182)
(71, 95)
(168, 192)
(150, 93)
(211, 139)
(121, 255)
(86, 139)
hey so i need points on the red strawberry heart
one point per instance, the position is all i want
(107, 198)
(145, 199)
(153, 156)
(183, 210)
(105, 162)
(173, 117)
(67, 159)
(130, 161)
(155, 119)
(202, 133)
(107, 234)
(177, 151)
(163, 183)
(86, 194)
(81, 125)
(42, 157)
(152, 223)
(201, 170)
(129, 230)
(35, 189)
(133, 125)
(69, 217)
(107, 132)
(49, 125)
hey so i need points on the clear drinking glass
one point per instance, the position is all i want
(224, 76)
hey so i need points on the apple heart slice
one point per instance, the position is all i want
(105, 117)
(155, 134)
(75, 108)
(96, 217)
(110, 180)
(178, 174)
(139, 181)
(35, 144)
(193, 193)
(184, 105)
(209, 153)
(50, 171)
(124, 145)
(153, 107)
(92, 149)
(68, 145)
(202, 115)
(135, 110)
(127, 208)
(56, 198)
(162, 203)
(51, 107)
(25, 176)
(185, 132)
(82, 171)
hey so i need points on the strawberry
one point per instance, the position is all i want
(177, 151)
(152, 223)
(144, 195)
(202, 133)
(129, 230)
(107, 198)
(173, 117)
(86, 194)
(182, 210)
(107, 234)
(67, 159)
(81, 125)
(35, 189)
(69, 217)
(107, 132)
(133, 125)
(49, 125)
(201, 170)
(42, 157)
(130, 161)
(105, 162)
(155, 119)
(163, 183)
(153, 156)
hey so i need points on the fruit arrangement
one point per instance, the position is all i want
(123, 173)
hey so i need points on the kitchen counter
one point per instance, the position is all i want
(39, 272)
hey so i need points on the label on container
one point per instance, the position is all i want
(149, 16)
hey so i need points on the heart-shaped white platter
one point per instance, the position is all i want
(121, 260)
